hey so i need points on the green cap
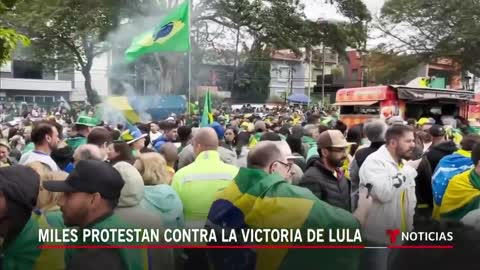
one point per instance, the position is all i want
(86, 121)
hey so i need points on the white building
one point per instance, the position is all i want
(27, 81)
(291, 73)
(331, 63)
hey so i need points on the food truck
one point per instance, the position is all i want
(474, 108)
(357, 105)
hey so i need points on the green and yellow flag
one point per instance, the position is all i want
(257, 200)
(207, 116)
(172, 35)
(462, 196)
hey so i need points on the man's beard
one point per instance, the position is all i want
(407, 155)
(335, 163)
(76, 219)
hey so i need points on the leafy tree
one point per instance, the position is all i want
(282, 24)
(68, 33)
(9, 38)
(271, 25)
(252, 84)
(433, 29)
(390, 68)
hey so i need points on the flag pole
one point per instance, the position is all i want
(189, 57)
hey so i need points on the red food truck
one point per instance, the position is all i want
(382, 102)
(474, 108)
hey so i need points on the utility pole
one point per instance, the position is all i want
(364, 57)
(310, 76)
(189, 56)
(473, 83)
(235, 59)
(289, 84)
(291, 80)
(144, 83)
(323, 76)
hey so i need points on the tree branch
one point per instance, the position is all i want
(74, 49)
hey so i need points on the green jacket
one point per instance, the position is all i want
(133, 259)
(54, 218)
(28, 148)
(75, 142)
(312, 152)
(309, 140)
(310, 146)
(23, 252)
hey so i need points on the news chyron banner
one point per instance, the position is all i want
(133, 236)
(178, 238)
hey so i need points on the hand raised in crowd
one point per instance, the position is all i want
(365, 202)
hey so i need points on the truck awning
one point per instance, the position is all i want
(419, 94)
(356, 103)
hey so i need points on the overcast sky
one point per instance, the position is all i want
(318, 9)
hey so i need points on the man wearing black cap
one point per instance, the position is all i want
(91, 192)
(440, 146)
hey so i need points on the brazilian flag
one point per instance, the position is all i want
(207, 116)
(462, 196)
(257, 200)
(172, 35)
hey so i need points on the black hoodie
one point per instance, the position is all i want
(20, 186)
(437, 152)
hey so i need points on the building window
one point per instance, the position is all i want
(283, 73)
(19, 98)
(49, 100)
(331, 57)
(27, 70)
(29, 99)
(39, 99)
(355, 75)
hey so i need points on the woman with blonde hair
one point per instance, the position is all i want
(46, 200)
(159, 195)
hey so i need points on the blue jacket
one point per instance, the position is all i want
(166, 203)
(157, 144)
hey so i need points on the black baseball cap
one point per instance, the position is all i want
(90, 176)
(437, 131)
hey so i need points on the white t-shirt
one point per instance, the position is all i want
(154, 136)
(34, 156)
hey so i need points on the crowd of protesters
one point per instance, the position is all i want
(376, 176)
